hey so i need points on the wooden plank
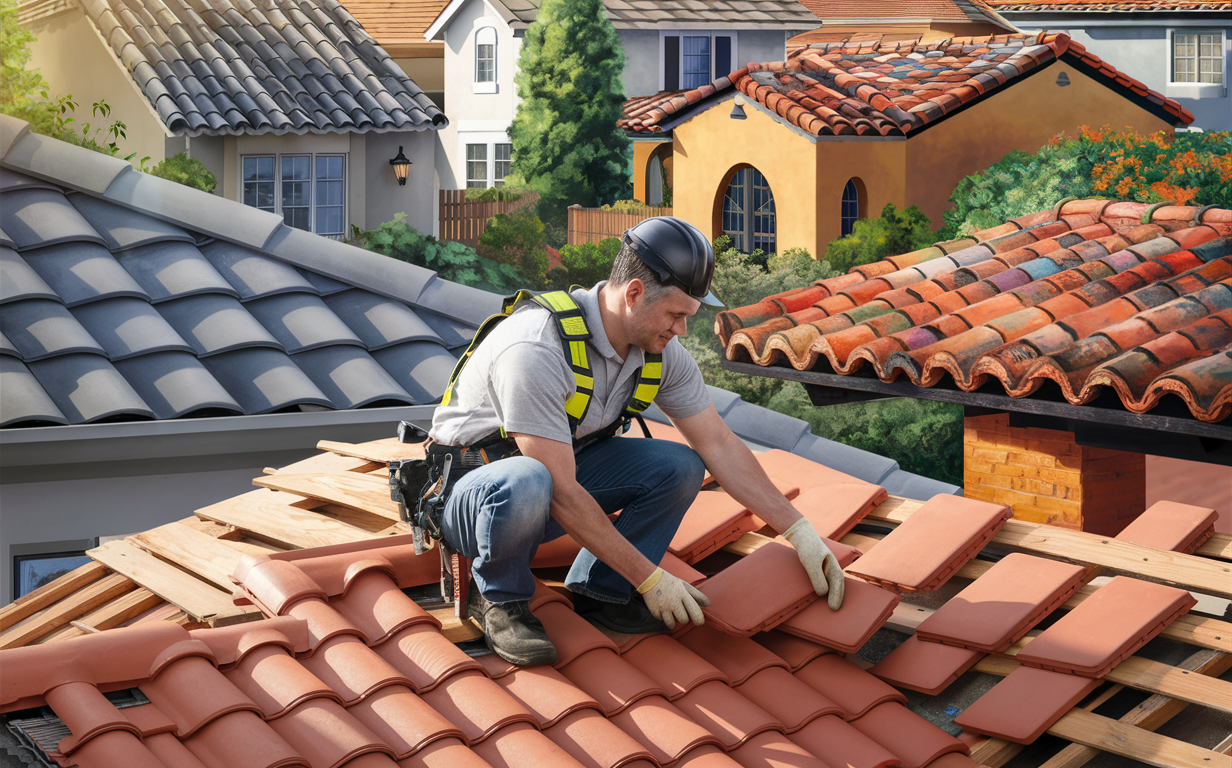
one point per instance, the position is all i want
(196, 598)
(1166, 680)
(454, 629)
(1219, 545)
(1173, 568)
(210, 559)
(113, 614)
(1150, 714)
(286, 526)
(363, 492)
(61, 613)
(330, 463)
(383, 451)
(1130, 741)
(32, 602)
(995, 753)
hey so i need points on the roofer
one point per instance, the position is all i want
(534, 424)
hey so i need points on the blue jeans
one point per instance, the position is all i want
(499, 514)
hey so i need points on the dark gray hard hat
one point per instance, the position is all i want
(678, 252)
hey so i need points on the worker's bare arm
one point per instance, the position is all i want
(733, 465)
(578, 512)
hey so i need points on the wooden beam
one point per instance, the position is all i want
(210, 559)
(328, 463)
(363, 492)
(32, 602)
(1150, 714)
(454, 629)
(62, 612)
(1219, 545)
(194, 597)
(383, 451)
(113, 614)
(1131, 741)
(285, 526)
(995, 753)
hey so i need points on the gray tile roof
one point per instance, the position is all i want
(239, 67)
(150, 300)
(681, 14)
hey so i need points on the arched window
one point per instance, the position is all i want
(851, 206)
(485, 56)
(748, 212)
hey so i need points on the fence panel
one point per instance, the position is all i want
(590, 225)
(465, 220)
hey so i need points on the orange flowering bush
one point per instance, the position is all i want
(1186, 168)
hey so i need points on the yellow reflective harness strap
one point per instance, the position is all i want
(649, 377)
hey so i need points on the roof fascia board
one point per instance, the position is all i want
(727, 26)
(29, 455)
(730, 94)
(1158, 111)
(437, 28)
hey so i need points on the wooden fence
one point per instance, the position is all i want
(464, 220)
(590, 225)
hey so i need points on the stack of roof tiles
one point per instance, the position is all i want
(869, 86)
(212, 308)
(250, 68)
(1092, 295)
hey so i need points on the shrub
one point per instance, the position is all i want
(893, 233)
(516, 239)
(187, 171)
(450, 260)
(493, 194)
(584, 264)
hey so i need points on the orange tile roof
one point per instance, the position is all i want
(1093, 295)
(940, 10)
(1110, 6)
(396, 21)
(867, 85)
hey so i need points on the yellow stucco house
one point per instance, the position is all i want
(790, 154)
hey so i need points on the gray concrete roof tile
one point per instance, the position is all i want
(350, 377)
(422, 368)
(380, 322)
(122, 228)
(252, 274)
(42, 328)
(35, 217)
(23, 401)
(127, 327)
(88, 388)
(903, 483)
(301, 321)
(213, 323)
(470, 305)
(723, 400)
(324, 285)
(194, 209)
(6, 241)
(452, 333)
(180, 56)
(11, 181)
(82, 272)
(18, 280)
(867, 466)
(71, 165)
(176, 384)
(11, 131)
(7, 347)
(365, 269)
(169, 270)
(263, 380)
(764, 426)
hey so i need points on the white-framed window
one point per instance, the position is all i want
(503, 160)
(691, 59)
(477, 166)
(308, 190)
(485, 60)
(488, 160)
(1197, 56)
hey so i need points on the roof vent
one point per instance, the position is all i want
(1063, 79)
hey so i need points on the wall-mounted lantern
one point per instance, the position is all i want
(737, 112)
(1063, 79)
(402, 167)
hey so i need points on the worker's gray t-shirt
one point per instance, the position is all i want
(518, 378)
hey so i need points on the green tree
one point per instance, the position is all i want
(893, 233)
(187, 171)
(516, 239)
(584, 264)
(450, 260)
(566, 145)
(20, 87)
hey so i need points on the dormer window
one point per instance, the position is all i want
(692, 59)
(485, 60)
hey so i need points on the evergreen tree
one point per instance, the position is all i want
(566, 145)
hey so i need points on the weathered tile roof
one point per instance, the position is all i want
(1109, 6)
(681, 14)
(127, 297)
(866, 85)
(1093, 294)
(396, 21)
(236, 67)
(935, 10)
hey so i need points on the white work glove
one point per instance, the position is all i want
(821, 564)
(672, 600)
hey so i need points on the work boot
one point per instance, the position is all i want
(511, 630)
(630, 618)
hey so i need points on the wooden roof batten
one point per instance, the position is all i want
(181, 572)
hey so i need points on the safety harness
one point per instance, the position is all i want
(444, 464)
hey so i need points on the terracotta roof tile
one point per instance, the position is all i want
(929, 668)
(1059, 295)
(1109, 6)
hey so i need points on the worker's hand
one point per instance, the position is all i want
(673, 600)
(821, 564)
